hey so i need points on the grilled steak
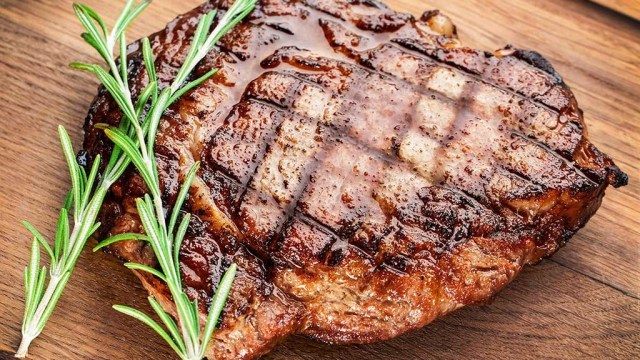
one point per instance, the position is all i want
(366, 171)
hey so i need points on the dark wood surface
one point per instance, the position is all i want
(582, 303)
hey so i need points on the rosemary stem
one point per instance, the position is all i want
(136, 139)
(192, 351)
(31, 330)
(143, 147)
(185, 335)
(87, 199)
(58, 268)
(57, 272)
(157, 201)
(114, 70)
(23, 350)
(88, 215)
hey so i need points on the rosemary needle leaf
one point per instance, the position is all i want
(83, 182)
(111, 84)
(149, 269)
(154, 118)
(118, 238)
(128, 147)
(89, 39)
(127, 16)
(113, 160)
(139, 315)
(38, 276)
(100, 126)
(123, 57)
(91, 13)
(74, 170)
(191, 322)
(26, 286)
(27, 295)
(168, 322)
(34, 264)
(196, 44)
(235, 14)
(196, 318)
(33, 231)
(117, 27)
(62, 234)
(134, 14)
(82, 66)
(97, 41)
(85, 15)
(40, 239)
(182, 230)
(114, 89)
(182, 195)
(148, 221)
(148, 91)
(68, 200)
(191, 85)
(149, 63)
(93, 229)
(217, 304)
(40, 285)
(149, 203)
(88, 186)
(118, 171)
(124, 13)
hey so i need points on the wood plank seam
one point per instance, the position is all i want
(621, 291)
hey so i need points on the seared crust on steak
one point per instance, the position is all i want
(366, 171)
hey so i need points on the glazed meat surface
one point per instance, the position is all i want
(366, 171)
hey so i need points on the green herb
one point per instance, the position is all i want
(187, 337)
(134, 139)
(85, 198)
(67, 245)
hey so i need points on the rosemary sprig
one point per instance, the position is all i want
(86, 197)
(134, 139)
(189, 340)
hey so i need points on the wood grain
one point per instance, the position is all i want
(627, 7)
(584, 302)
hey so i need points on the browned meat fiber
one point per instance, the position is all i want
(366, 171)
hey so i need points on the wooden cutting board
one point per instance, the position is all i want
(583, 302)
(630, 8)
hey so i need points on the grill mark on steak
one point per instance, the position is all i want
(528, 178)
(362, 58)
(433, 49)
(365, 62)
(465, 94)
(378, 153)
(367, 173)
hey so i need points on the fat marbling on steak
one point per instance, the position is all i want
(366, 171)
